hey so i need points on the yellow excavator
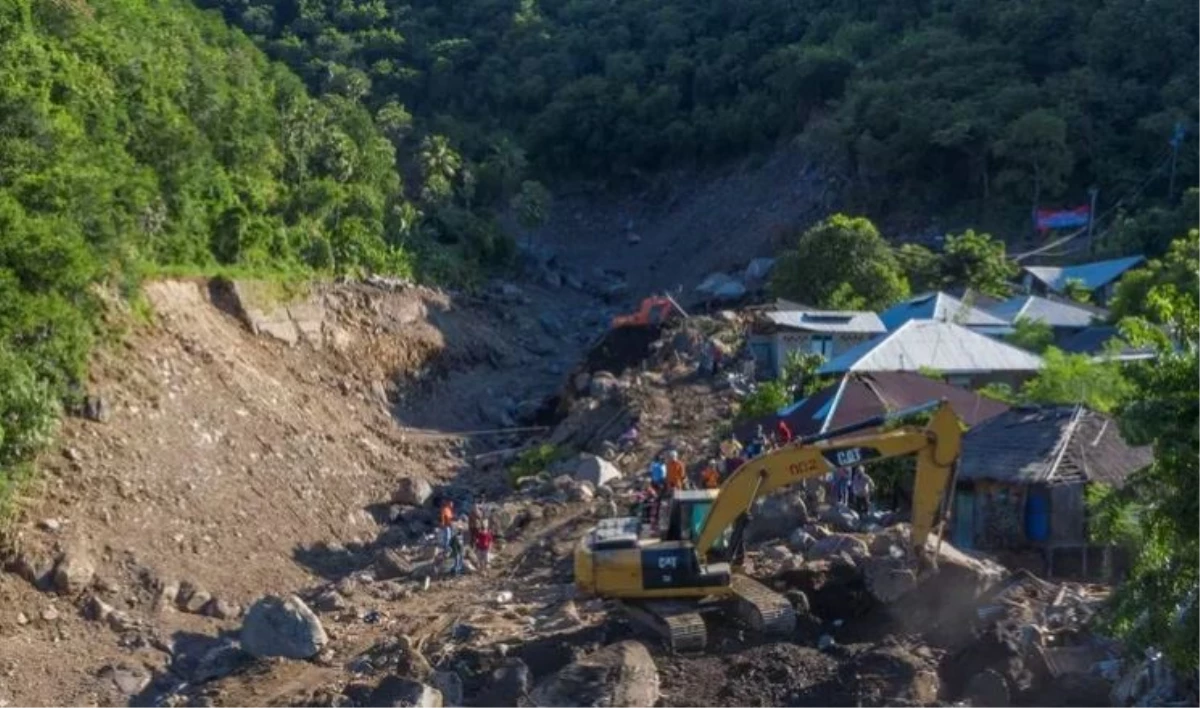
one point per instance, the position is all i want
(667, 580)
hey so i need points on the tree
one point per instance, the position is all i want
(977, 261)
(1156, 511)
(1176, 269)
(440, 164)
(532, 204)
(799, 375)
(1035, 147)
(840, 256)
(1031, 335)
(767, 398)
(922, 267)
(1076, 378)
(1075, 289)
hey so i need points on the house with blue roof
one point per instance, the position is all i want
(1065, 318)
(945, 308)
(1100, 278)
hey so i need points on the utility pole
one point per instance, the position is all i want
(1093, 192)
(1176, 143)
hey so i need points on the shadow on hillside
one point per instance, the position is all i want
(195, 660)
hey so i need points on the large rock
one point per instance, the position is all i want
(959, 576)
(412, 491)
(509, 683)
(757, 271)
(396, 691)
(278, 627)
(777, 515)
(596, 471)
(450, 684)
(838, 543)
(720, 286)
(74, 571)
(841, 518)
(622, 674)
(603, 385)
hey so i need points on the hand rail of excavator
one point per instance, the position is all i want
(872, 422)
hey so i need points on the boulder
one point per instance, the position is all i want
(220, 661)
(596, 471)
(800, 541)
(278, 627)
(74, 571)
(775, 516)
(450, 685)
(621, 674)
(390, 564)
(96, 408)
(778, 553)
(509, 684)
(36, 568)
(757, 271)
(581, 492)
(603, 385)
(412, 491)
(841, 518)
(720, 286)
(397, 691)
(838, 543)
(127, 679)
(221, 609)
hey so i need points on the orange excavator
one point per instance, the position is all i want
(653, 311)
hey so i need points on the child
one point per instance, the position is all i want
(483, 545)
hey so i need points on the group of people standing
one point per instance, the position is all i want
(456, 535)
(853, 488)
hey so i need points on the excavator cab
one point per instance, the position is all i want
(689, 510)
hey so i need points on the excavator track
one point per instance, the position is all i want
(679, 625)
(761, 608)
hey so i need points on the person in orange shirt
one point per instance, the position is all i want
(710, 478)
(675, 472)
(446, 521)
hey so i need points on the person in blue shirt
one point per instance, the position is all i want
(658, 474)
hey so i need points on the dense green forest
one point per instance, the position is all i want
(916, 105)
(137, 136)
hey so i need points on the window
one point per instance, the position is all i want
(960, 381)
(821, 344)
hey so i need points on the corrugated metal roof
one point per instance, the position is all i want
(828, 321)
(860, 396)
(1092, 275)
(1050, 444)
(937, 306)
(1040, 309)
(944, 346)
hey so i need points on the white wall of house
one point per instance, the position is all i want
(785, 342)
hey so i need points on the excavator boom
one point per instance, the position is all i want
(936, 446)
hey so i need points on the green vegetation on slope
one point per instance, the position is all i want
(140, 135)
(929, 103)
(1157, 606)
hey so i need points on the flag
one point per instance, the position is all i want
(1062, 218)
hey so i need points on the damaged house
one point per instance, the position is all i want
(1022, 480)
(776, 333)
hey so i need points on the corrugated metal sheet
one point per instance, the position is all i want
(828, 321)
(1040, 309)
(1092, 275)
(937, 306)
(1053, 444)
(944, 346)
(860, 396)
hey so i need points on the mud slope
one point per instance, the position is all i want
(696, 223)
(242, 464)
